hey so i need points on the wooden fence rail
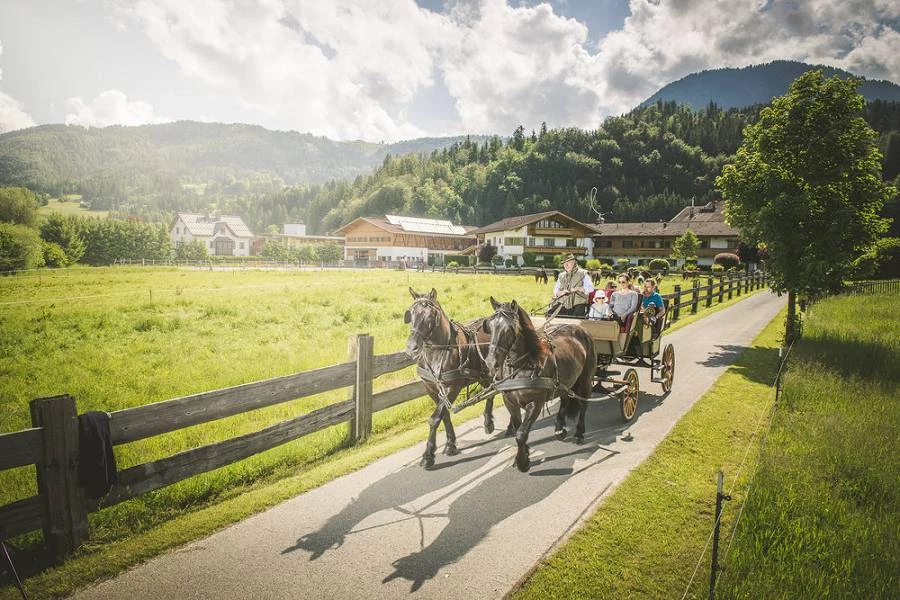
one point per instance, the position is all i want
(60, 508)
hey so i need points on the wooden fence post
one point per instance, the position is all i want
(721, 288)
(740, 282)
(57, 473)
(730, 286)
(362, 390)
(709, 287)
(677, 299)
(695, 298)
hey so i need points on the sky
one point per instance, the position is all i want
(390, 70)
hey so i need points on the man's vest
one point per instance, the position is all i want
(569, 280)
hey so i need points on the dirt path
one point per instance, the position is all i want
(469, 528)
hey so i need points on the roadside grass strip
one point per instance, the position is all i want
(648, 538)
(823, 517)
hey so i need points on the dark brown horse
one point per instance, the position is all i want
(531, 369)
(447, 357)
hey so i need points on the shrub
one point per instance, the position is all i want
(195, 250)
(659, 264)
(54, 255)
(728, 260)
(452, 265)
(20, 248)
(623, 263)
(529, 258)
(592, 264)
(718, 268)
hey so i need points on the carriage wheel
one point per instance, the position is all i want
(628, 400)
(667, 368)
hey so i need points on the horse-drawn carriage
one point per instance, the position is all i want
(530, 361)
(637, 342)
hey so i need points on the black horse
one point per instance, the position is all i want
(531, 369)
(447, 357)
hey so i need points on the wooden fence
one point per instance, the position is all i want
(60, 508)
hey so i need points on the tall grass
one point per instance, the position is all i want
(823, 518)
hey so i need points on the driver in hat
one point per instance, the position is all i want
(573, 288)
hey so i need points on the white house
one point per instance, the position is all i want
(222, 235)
(543, 234)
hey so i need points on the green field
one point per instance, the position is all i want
(71, 206)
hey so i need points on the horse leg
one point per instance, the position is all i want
(515, 417)
(450, 448)
(561, 417)
(489, 416)
(431, 445)
(532, 412)
(579, 429)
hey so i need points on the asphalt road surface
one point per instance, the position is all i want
(469, 528)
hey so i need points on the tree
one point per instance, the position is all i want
(63, 231)
(20, 248)
(329, 252)
(486, 252)
(806, 181)
(686, 245)
(18, 205)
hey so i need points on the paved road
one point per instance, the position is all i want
(472, 527)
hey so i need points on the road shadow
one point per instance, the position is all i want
(493, 500)
(723, 355)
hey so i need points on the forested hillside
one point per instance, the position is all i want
(646, 165)
(167, 165)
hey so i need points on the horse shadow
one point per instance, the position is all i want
(503, 494)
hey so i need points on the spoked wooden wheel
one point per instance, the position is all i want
(667, 368)
(628, 400)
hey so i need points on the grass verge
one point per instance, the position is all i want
(824, 512)
(648, 537)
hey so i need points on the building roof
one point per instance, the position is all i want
(207, 226)
(665, 229)
(708, 220)
(415, 225)
(521, 221)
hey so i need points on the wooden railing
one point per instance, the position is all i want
(60, 508)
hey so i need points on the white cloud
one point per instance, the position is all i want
(12, 113)
(348, 69)
(111, 107)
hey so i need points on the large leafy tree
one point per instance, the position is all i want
(807, 183)
(686, 245)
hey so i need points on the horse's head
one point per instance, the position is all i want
(424, 318)
(503, 327)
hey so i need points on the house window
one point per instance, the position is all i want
(241, 245)
(627, 243)
(515, 241)
(549, 242)
(604, 244)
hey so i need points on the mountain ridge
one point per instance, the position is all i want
(756, 84)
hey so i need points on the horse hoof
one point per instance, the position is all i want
(561, 434)
(451, 450)
(427, 462)
(489, 427)
(523, 465)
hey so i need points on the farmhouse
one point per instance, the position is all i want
(396, 238)
(642, 242)
(222, 235)
(543, 234)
